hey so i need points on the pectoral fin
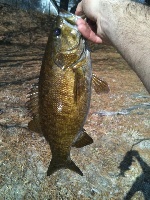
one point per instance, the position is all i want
(79, 85)
(100, 86)
(82, 140)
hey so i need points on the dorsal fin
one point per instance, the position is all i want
(33, 107)
(32, 103)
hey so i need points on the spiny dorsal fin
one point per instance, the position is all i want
(82, 140)
(32, 104)
(100, 86)
(33, 107)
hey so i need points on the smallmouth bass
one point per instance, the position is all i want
(60, 103)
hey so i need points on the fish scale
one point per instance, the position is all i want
(64, 93)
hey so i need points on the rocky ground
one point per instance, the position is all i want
(116, 166)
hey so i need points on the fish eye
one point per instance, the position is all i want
(57, 31)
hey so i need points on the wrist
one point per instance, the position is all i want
(108, 19)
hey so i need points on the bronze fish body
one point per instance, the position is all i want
(61, 102)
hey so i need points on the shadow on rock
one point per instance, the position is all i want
(142, 182)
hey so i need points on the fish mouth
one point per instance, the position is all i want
(70, 57)
(69, 50)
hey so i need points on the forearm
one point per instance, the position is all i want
(128, 28)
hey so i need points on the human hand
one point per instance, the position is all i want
(90, 29)
(121, 24)
(87, 31)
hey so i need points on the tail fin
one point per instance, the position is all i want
(58, 164)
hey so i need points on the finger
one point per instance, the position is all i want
(87, 32)
(79, 9)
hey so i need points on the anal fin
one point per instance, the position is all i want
(82, 140)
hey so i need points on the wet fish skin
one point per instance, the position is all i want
(64, 92)
(61, 102)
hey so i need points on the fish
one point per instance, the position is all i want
(60, 103)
